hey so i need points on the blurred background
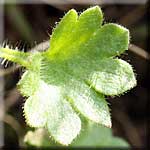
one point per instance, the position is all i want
(27, 25)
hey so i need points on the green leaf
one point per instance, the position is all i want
(36, 106)
(90, 104)
(63, 31)
(46, 108)
(73, 76)
(87, 37)
(29, 79)
(92, 136)
(98, 136)
(113, 77)
(73, 31)
(108, 41)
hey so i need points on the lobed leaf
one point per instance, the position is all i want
(86, 36)
(113, 77)
(74, 74)
(73, 31)
(89, 103)
(46, 108)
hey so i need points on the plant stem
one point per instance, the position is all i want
(14, 56)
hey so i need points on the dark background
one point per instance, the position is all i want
(27, 25)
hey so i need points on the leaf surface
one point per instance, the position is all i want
(47, 109)
(70, 79)
(90, 104)
(92, 136)
(113, 77)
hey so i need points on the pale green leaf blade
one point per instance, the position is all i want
(110, 40)
(90, 20)
(29, 83)
(98, 136)
(36, 106)
(113, 77)
(83, 51)
(75, 31)
(90, 104)
(47, 108)
(63, 32)
(63, 124)
(102, 42)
